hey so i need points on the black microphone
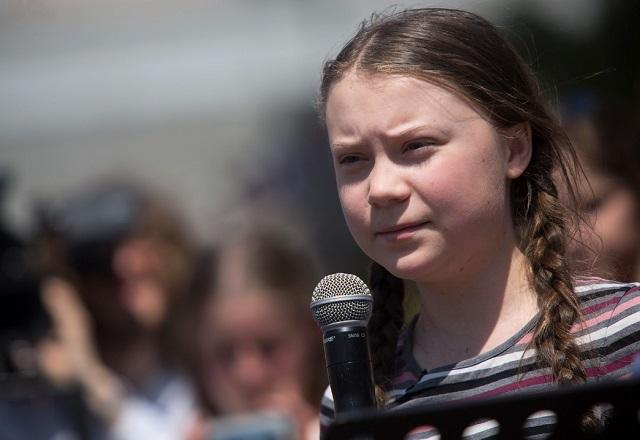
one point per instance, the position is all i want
(341, 305)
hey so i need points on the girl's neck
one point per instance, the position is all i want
(465, 317)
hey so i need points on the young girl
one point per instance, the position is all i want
(258, 349)
(444, 152)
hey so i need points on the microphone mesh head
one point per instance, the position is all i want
(341, 297)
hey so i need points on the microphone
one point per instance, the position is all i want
(341, 305)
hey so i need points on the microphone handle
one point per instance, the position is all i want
(349, 369)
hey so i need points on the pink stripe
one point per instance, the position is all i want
(604, 316)
(525, 339)
(538, 380)
(597, 319)
(627, 304)
(407, 375)
(599, 306)
(613, 366)
(547, 378)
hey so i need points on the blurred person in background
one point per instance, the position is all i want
(258, 351)
(117, 265)
(607, 139)
(30, 408)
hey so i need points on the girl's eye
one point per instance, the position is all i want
(417, 144)
(349, 159)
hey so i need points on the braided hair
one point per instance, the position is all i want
(384, 326)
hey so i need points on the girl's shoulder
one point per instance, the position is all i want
(584, 282)
(610, 331)
(603, 302)
(599, 292)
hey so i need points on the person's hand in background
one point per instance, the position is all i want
(70, 355)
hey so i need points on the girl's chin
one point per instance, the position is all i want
(417, 266)
(410, 272)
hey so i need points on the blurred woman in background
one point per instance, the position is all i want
(117, 263)
(258, 350)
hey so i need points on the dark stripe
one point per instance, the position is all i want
(598, 352)
(623, 314)
(586, 297)
(326, 411)
(467, 384)
(511, 372)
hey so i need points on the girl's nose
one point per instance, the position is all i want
(250, 369)
(387, 184)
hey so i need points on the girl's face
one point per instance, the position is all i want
(254, 353)
(421, 175)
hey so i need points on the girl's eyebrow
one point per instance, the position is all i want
(346, 144)
(426, 130)
(414, 129)
(341, 146)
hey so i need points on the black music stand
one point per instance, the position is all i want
(569, 404)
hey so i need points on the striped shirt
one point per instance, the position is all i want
(608, 338)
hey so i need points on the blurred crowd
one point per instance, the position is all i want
(116, 324)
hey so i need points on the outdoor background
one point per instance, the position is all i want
(212, 102)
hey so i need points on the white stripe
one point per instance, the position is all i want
(489, 363)
(590, 287)
(605, 332)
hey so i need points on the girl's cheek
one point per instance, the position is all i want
(351, 201)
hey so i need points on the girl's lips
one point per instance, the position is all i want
(400, 232)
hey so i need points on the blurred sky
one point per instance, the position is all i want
(185, 95)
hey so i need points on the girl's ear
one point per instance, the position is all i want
(518, 149)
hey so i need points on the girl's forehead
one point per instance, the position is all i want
(386, 86)
(396, 99)
(378, 82)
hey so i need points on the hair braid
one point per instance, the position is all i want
(551, 279)
(384, 326)
(552, 282)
